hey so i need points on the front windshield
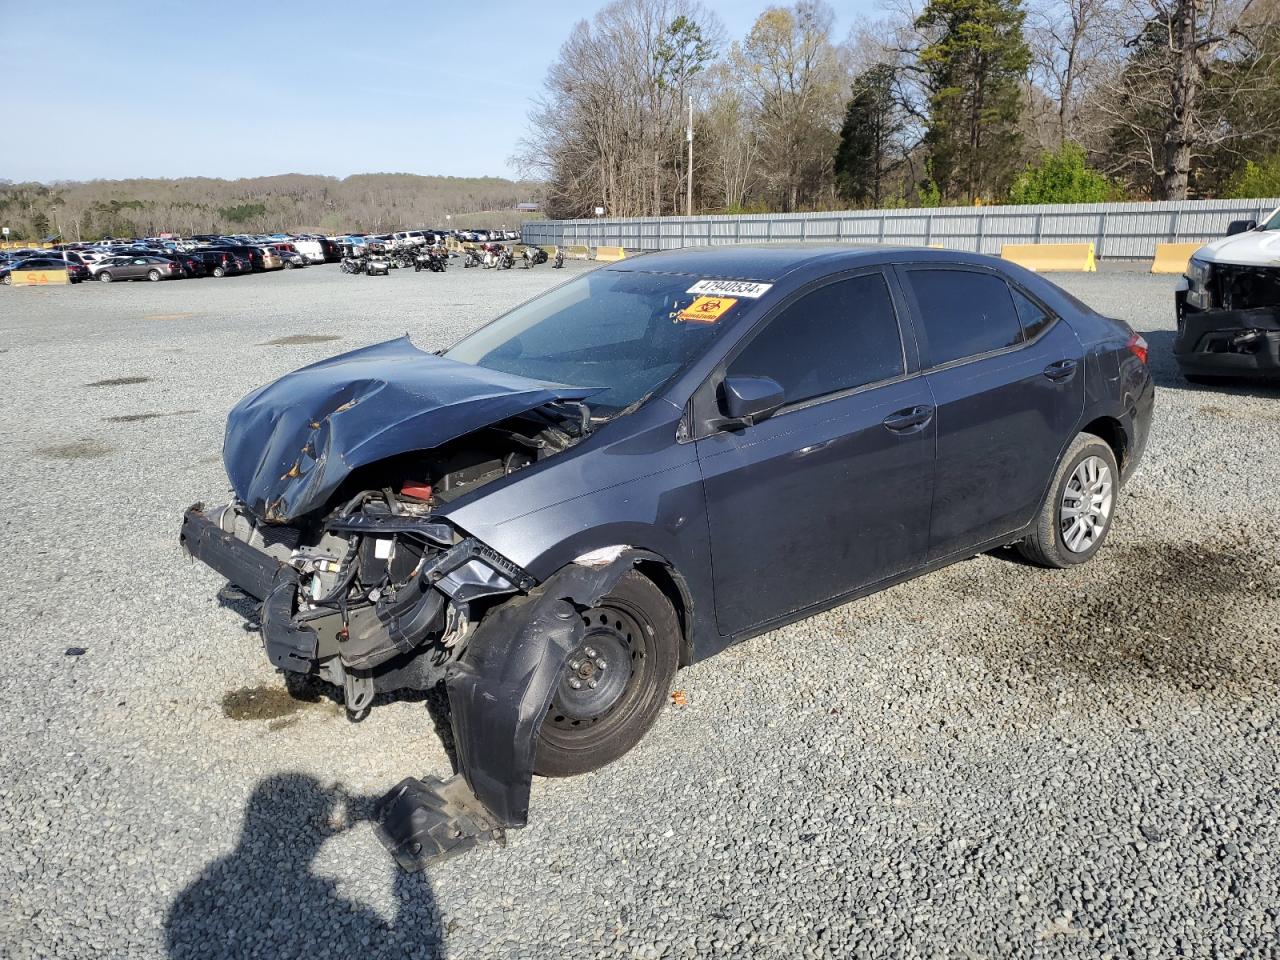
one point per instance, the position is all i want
(625, 332)
(1273, 223)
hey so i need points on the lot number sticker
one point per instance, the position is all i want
(731, 288)
(706, 309)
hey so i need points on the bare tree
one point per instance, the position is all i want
(608, 128)
(731, 143)
(1068, 39)
(1178, 69)
(794, 78)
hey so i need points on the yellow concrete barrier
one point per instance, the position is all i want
(1075, 257)
(1173, 257)
(551, 251)
(39, 278)
(577, 251)
(610, 254)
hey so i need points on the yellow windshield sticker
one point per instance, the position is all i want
(706, 309)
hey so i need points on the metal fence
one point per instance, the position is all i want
(1117, 230)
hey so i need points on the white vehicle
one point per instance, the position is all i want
(410, 237)
(1239, 271)
(310, 249)
(1228, 305)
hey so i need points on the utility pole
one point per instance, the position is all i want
(688, 201)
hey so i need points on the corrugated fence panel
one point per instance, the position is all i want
(1118, 230)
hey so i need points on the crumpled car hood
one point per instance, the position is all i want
(290, 445)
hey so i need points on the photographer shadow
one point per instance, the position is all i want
(264, 899)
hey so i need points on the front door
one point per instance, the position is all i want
(833, 491)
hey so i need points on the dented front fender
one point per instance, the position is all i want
(500, 691)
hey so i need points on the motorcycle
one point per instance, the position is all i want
(354, 264)
(532, 256)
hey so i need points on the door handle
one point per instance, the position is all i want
(1061, 371)
(909, 420)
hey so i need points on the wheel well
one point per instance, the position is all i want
(1110, 431)
(666, 580)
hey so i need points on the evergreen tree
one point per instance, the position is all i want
(867, 152)
(974, 67)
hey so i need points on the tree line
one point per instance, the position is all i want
(932, 102)
(293, 202)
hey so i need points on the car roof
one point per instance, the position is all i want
(769, 262)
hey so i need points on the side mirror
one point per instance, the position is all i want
(748, 400)
(1240, 226)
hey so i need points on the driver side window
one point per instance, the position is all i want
(840, 336)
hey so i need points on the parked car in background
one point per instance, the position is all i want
(137, 268)
(247, 252)
(217, 263)
(310, 248)
(271, 259)
(293, 259)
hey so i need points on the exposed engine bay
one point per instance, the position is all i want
(377, 593)
(1229, 318)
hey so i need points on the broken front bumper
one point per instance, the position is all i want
(1244, 343)
(499, 689)
(367, 648)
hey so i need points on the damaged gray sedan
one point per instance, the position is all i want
(645, 465)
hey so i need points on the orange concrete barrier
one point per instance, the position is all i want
(39, 278)
(1173, 257)
(1051, 257)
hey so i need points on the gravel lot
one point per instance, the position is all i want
(995, 760)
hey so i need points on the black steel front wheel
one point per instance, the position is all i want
(614, 684)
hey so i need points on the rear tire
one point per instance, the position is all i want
(153, 275)
(1078, 510)
(635, 633)
(219, 272)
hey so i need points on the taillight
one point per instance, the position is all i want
(1138, 347)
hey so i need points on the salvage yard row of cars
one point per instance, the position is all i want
(166, 258)
(109, 260)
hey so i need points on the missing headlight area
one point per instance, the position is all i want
(1228, 286)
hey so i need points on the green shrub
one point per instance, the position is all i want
(1061, 176)
(1257, 179)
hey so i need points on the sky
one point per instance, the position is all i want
(242, 88)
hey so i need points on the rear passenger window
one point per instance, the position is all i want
(1033, 317)
(838, 337)
(964, 313)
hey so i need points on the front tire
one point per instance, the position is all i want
(623, 671)
(1077, 513)
(219, 272)
(105, 276)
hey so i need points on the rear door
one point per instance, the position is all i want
(1007, 378)
(832, 492)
